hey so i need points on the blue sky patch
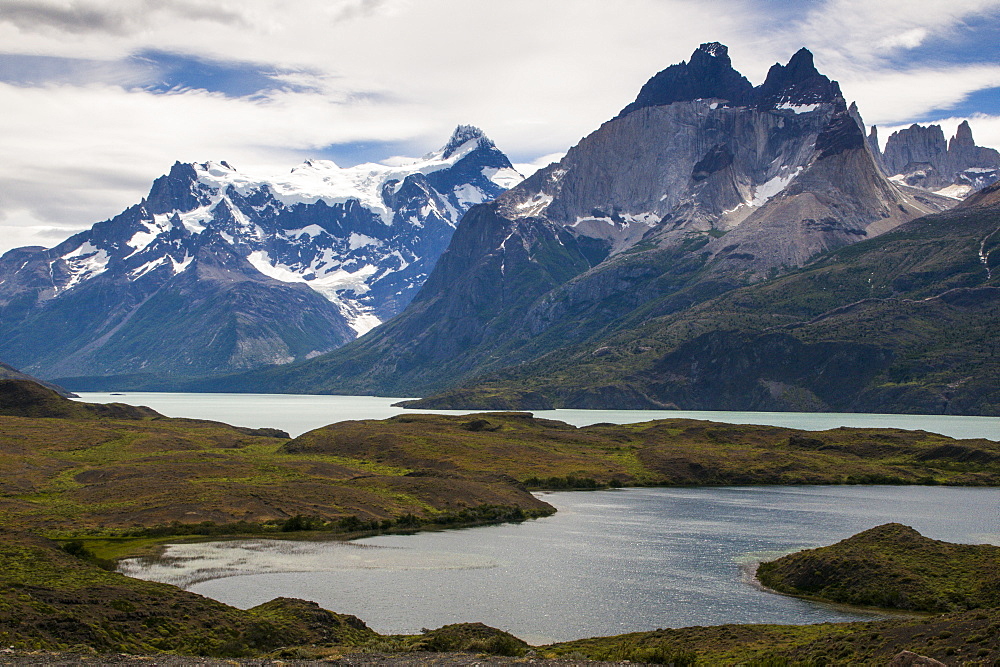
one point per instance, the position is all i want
(976, 41)
(356, 152)
(232, 79)
(985, 101)
(157, 71)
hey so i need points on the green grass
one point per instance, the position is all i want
(892, 566)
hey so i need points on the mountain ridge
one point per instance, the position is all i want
(664, 206)
(241, 271)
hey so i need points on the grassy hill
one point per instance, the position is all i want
(892, 566)
(118, 470)
(8, 372)
(552, 454)
(101, 470)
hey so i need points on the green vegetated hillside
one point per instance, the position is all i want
(892, 566)
(94, 469)
(903, 322)
(52, 600)
(116, 470)
(8, 372)
(967, 638)
(552, 454)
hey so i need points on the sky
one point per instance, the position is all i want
(100, 97)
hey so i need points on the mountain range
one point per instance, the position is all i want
(919, 156)
(716, 245)
(215, 271)
(704, 185)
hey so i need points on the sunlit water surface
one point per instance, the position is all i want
(608, 562)
(298, 413)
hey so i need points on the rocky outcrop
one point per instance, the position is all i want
(911, 659)
(919, 156)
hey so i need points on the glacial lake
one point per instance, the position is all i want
(298, 413)
(608, 562)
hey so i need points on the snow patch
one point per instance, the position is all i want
(84, 263)
(360, 241)
(764, 192)
(181, 266)
(312, 231)
(362, 322)
(139, 272)
(143, 238)
(955, 191)
(326, 283)
(797, 108)
(469, 195)
(505, 178)
(534, 206)
(196, 219)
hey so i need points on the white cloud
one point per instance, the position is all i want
(856, 34)
(894, 97)
(910, 39)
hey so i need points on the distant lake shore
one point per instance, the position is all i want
(298, 413)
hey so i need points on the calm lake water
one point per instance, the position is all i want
(298, 413)
(608, 562)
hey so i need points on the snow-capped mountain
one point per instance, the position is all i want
(321, 255)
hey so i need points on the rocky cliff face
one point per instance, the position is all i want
(757, 175)
(919, 156)
(703, 184)
(215, 271)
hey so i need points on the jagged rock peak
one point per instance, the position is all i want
(963, 137)
(183, 171)
(798, 83)
(708, 75)
(462, 135)
(714, 49)
(173, 191)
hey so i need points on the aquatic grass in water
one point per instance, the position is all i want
(187, 564)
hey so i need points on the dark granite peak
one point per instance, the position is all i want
(708, 75)
(464, 134)
(798, 83)
(174, 190)
(963, 137)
